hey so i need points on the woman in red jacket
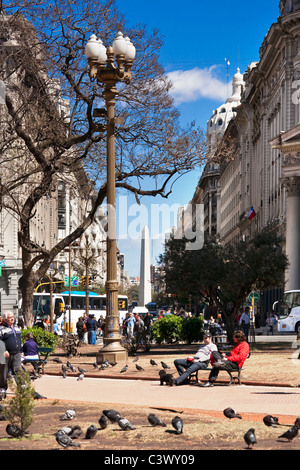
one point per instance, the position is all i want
(233, 362)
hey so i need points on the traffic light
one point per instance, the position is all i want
(89, 280)
(83, 280)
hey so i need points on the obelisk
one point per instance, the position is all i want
(145, 278)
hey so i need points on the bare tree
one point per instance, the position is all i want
(47, 122)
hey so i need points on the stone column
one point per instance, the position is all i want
(292, 185)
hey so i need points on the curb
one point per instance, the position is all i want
(153, 379)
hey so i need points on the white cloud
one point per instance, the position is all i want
(190, 85)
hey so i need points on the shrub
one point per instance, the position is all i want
(192, 329)
(140, 340)
(168, 329)
(19, 408)
(43, 338)
(70, 344)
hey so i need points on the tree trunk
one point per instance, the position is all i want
(27, 289)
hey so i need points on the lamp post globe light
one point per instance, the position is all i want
(110, 66)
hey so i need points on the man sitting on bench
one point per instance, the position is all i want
(187, 367)
(233, 362)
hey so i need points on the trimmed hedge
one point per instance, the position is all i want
(173, 328)
(43, 338)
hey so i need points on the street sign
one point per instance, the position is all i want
(3, 263)
(254, 296)
(74, 281)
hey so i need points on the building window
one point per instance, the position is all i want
(61, 190)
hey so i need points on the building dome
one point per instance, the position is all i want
(221, 116)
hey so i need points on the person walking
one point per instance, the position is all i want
(91, 326)
(244, 322)
(81, 328)
(11, 347)
(130, 325)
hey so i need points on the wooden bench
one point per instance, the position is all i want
(234, 374)
(43, 357)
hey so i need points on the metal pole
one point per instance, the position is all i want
(87, 302)
(112, 349)
(51, 304)
(70, 298)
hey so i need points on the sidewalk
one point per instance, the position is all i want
(249, 400)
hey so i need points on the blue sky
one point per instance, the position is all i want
(198, 37)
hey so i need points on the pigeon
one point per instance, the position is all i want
(66, 441)
(139, 367)
(38, 396)
(230, 413)
(76, 431)
(125, 368)
(155, 421)
(95, 365)
(65, 430)
(71, 367)
(113, 364)
(136, 359)
(164, 365)
(125, 424)
(250, 438)
(177, 424)
(56, 359)
(14, 431)
(69, 414)
(112, 415)
(103, 421)
(152, 362)
(297, 422)
(91, 432)
(80, 377)
(104, 366)
(82, 371)
(64, 371)
(290, 434)
(271, 421)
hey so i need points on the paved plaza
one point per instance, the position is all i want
(244, 398)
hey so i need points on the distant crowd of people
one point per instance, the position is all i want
(88, 328)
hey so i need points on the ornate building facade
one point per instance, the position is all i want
(258, 155)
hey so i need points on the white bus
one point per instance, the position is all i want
(288, 311)
(97, 306)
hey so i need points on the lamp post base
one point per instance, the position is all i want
(112, 352)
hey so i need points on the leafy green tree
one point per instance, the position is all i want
(225, 275)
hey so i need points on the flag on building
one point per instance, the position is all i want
(251, 214)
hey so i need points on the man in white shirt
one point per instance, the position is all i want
(201, 360)
(244, 322)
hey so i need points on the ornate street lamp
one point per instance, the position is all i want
(110, 66)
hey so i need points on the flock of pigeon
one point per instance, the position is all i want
(71, 368)
(270, 421)
(67, 435)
